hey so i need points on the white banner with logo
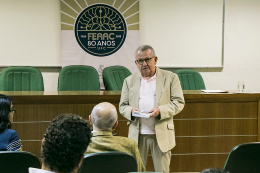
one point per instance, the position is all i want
(99, 33)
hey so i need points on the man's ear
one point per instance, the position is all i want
(156, 59)
(115, 125)
(90, 120)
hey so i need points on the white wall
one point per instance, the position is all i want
(242, 48)
(241, 56)
(30, 32)
(186, 33)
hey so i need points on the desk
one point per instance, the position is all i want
(209, 126)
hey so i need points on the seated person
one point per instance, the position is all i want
(65, 141)
(104, 120)
(9, 140)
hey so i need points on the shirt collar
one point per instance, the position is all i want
(35, 170)
(101, 133)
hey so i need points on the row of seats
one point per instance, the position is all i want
(83, 78)
(114, 161)
(71, 78)
(242, 158)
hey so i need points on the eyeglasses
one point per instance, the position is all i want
(141, 61)
(13, 110)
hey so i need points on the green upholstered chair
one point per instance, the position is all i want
(244, 158)
(21, 78)
(111, 161)
(113, 77)
(78, 78)
(190, 80)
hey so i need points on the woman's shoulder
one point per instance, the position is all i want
(9, 131)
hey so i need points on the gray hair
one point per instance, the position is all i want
(104, 116)
(144, 48)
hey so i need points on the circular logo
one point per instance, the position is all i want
(100, 30)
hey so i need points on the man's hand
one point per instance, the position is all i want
(135, 109)
(155, 112)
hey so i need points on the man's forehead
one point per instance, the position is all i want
(144, 54)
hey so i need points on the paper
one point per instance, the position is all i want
(142, 114)
(214, 91)
(247, 92)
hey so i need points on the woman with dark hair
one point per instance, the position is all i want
(9, 140)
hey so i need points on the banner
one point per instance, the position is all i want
(99, 33)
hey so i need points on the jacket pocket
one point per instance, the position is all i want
(170, 126)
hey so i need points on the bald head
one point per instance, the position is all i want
(104, 116)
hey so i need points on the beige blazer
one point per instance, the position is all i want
(169, 99)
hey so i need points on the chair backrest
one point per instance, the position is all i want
(21, 78)
(112, 161)
(190, 80)
(78, 78)
(244, 158)
(113, 77)
(17, 161)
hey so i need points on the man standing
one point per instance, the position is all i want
(104, 120)
(158, 92)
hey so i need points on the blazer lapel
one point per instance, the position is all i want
(136, 89)
(160, 78)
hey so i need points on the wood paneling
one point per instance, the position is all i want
(122, 128)
(258, 109)
(46, 112)
(33, 147)
(209, 126)
(30, 131)
(221, 110)
(216, 127)
(218, 144)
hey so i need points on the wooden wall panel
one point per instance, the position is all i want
(47, 112)
(218, 110)
(33, 147)
(30, 131)
(218, 144)
(122, 128)
(215, 127)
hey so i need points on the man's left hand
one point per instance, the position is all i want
(155, 112)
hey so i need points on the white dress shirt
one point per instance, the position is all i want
(35, 170)
(147, 95)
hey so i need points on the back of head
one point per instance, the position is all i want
(104, 116)
(65, 141)
(214, 170)
(5, 109)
